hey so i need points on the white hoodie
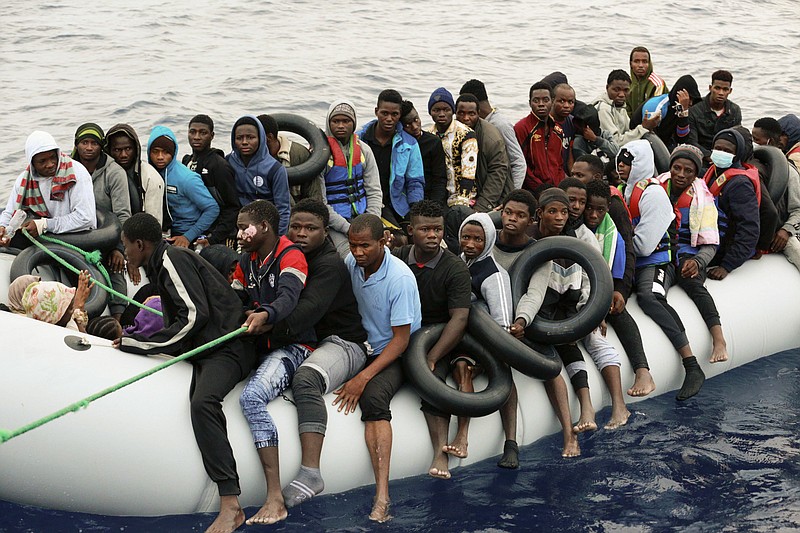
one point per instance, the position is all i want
(495, 285)
(76, 212)
(655, 208)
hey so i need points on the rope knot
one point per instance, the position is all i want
(94, 257)
(5, 435)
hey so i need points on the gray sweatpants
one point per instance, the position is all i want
(327, 368)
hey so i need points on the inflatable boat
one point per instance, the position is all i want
(133, 452)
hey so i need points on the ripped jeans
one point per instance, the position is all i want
(273, 376)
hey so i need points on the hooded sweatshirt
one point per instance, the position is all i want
(739, 220)
(655, 208)
(263, 177)
(76, 211)
(490, 281)
(604, 143)
(673, 130)
(641, 90)
(615, 120)
(145, 184)
(790, 125)
(192, 208)
(371, 175)
(217, 175)
(110, 184)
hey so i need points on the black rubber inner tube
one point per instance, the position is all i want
(544, 364)
(779, 168)
(104, 238)
(32, 257)
(589, 317)
(660, 152)
(440, 394)
(9, 250)
(317, 141)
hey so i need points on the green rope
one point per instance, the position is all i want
(66, 265)
(6, 435)
(93, 258)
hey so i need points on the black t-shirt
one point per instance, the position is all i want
(444, 283)
(383, 159)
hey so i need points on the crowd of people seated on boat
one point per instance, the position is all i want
(333, 276)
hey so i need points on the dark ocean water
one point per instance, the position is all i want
(728, 460)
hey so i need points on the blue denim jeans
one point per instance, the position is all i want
(272, 377)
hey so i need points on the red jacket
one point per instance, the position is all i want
(544, 154)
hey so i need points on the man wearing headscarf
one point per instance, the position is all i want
(53, 189)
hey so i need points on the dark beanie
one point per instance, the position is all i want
(441, 95)
(727, 135)
(165, 143)
(203, 119)
(690, 152)
(221, 257)
(89, 130)
(555, 78)
(625, 156)
(553, 194)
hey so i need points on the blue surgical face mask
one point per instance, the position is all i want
(721, 159)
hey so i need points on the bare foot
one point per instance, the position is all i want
(270, 513)
(380, 511)
(643, 384)
(571, 447)
(228, 520)
(584, 425)
(456, 449)
(441, 474)
(719, 353)
(618, 419)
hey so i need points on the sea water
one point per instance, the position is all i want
(67, 62)
(726, 460)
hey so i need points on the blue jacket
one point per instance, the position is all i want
(407, 179)
(192, 208)
(263, 178)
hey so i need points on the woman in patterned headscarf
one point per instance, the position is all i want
(55, 303)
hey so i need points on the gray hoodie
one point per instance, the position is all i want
(110, 184)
